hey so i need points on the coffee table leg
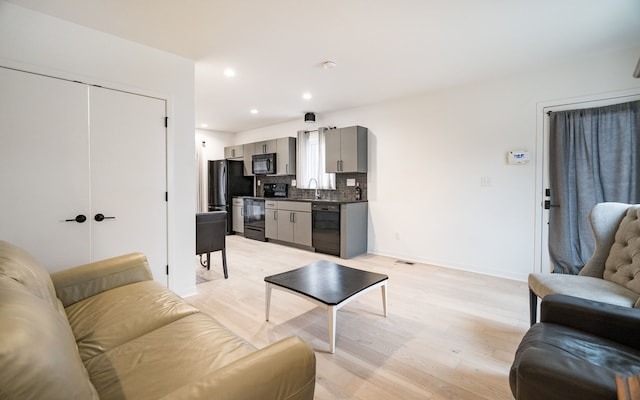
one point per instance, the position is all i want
(267, 300)
(384, 298)
(331, 311)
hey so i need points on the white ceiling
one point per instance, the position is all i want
(383, 48)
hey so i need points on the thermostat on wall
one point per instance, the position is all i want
(518, 157)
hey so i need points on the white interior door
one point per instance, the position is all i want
(128, 177)
(43, 167)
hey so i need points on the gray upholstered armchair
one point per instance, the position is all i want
(612, 275)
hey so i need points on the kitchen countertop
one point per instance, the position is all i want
(302, 200)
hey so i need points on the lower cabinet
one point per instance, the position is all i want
(271, 219)
(288, 221)
(237, 215)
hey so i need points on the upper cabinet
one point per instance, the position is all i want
(285, 149)
(266, 147)
(234, 152)
(286, 156)
(346, 149)
(248, 149)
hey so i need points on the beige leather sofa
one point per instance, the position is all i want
(106, 330)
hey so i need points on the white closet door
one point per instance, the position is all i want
(128, 177)
(44, 178)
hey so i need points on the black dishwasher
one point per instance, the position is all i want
(326, 228)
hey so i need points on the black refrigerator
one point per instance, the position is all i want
(226, 180)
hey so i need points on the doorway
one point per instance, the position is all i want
(543, 260)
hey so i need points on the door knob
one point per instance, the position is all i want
(79, 219)
(100, 217)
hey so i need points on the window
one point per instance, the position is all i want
(311, 161)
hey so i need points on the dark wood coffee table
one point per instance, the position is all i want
(328, 285)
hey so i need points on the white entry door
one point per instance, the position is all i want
(128, 177)
(44, 178)
(69, 152)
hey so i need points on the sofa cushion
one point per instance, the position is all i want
(623, 263)
(116, 316)
(586, 287)
(38, 352)
(165, 359)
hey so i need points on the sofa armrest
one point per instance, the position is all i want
(609, 321)
(285, 370)
(75, 284)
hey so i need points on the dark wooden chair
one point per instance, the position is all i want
(211, 231)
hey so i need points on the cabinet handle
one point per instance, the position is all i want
(286, 168)
(292, 217)
(275, 215)
(79, 219)
(338, 165)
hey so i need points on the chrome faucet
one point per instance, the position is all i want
(317, 195)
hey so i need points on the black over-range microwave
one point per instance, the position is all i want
(264, 164)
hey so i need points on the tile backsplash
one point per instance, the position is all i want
(341, 193)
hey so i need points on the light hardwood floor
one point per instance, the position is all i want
(449, 334)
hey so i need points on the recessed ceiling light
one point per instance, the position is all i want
(307, 96)
(329, 64)
(254, 111)
(204, 126)
(229, 73)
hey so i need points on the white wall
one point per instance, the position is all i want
(211, 144)
(215, 142)
(43, 44)
(428, 154)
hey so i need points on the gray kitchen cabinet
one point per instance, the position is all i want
(286, 156)
(353, 229)
(302, 228)
(294, 222)
(265, 147)
(285, 149)
(271, 219)
(237, 214)
(234, 152)
(248, 150)
(346, 149)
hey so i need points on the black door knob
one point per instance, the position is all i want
(79, 219)
(100, 217)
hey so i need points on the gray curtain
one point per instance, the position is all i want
(594, 156)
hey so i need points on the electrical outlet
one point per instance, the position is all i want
(294, 182)
(351, 182)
